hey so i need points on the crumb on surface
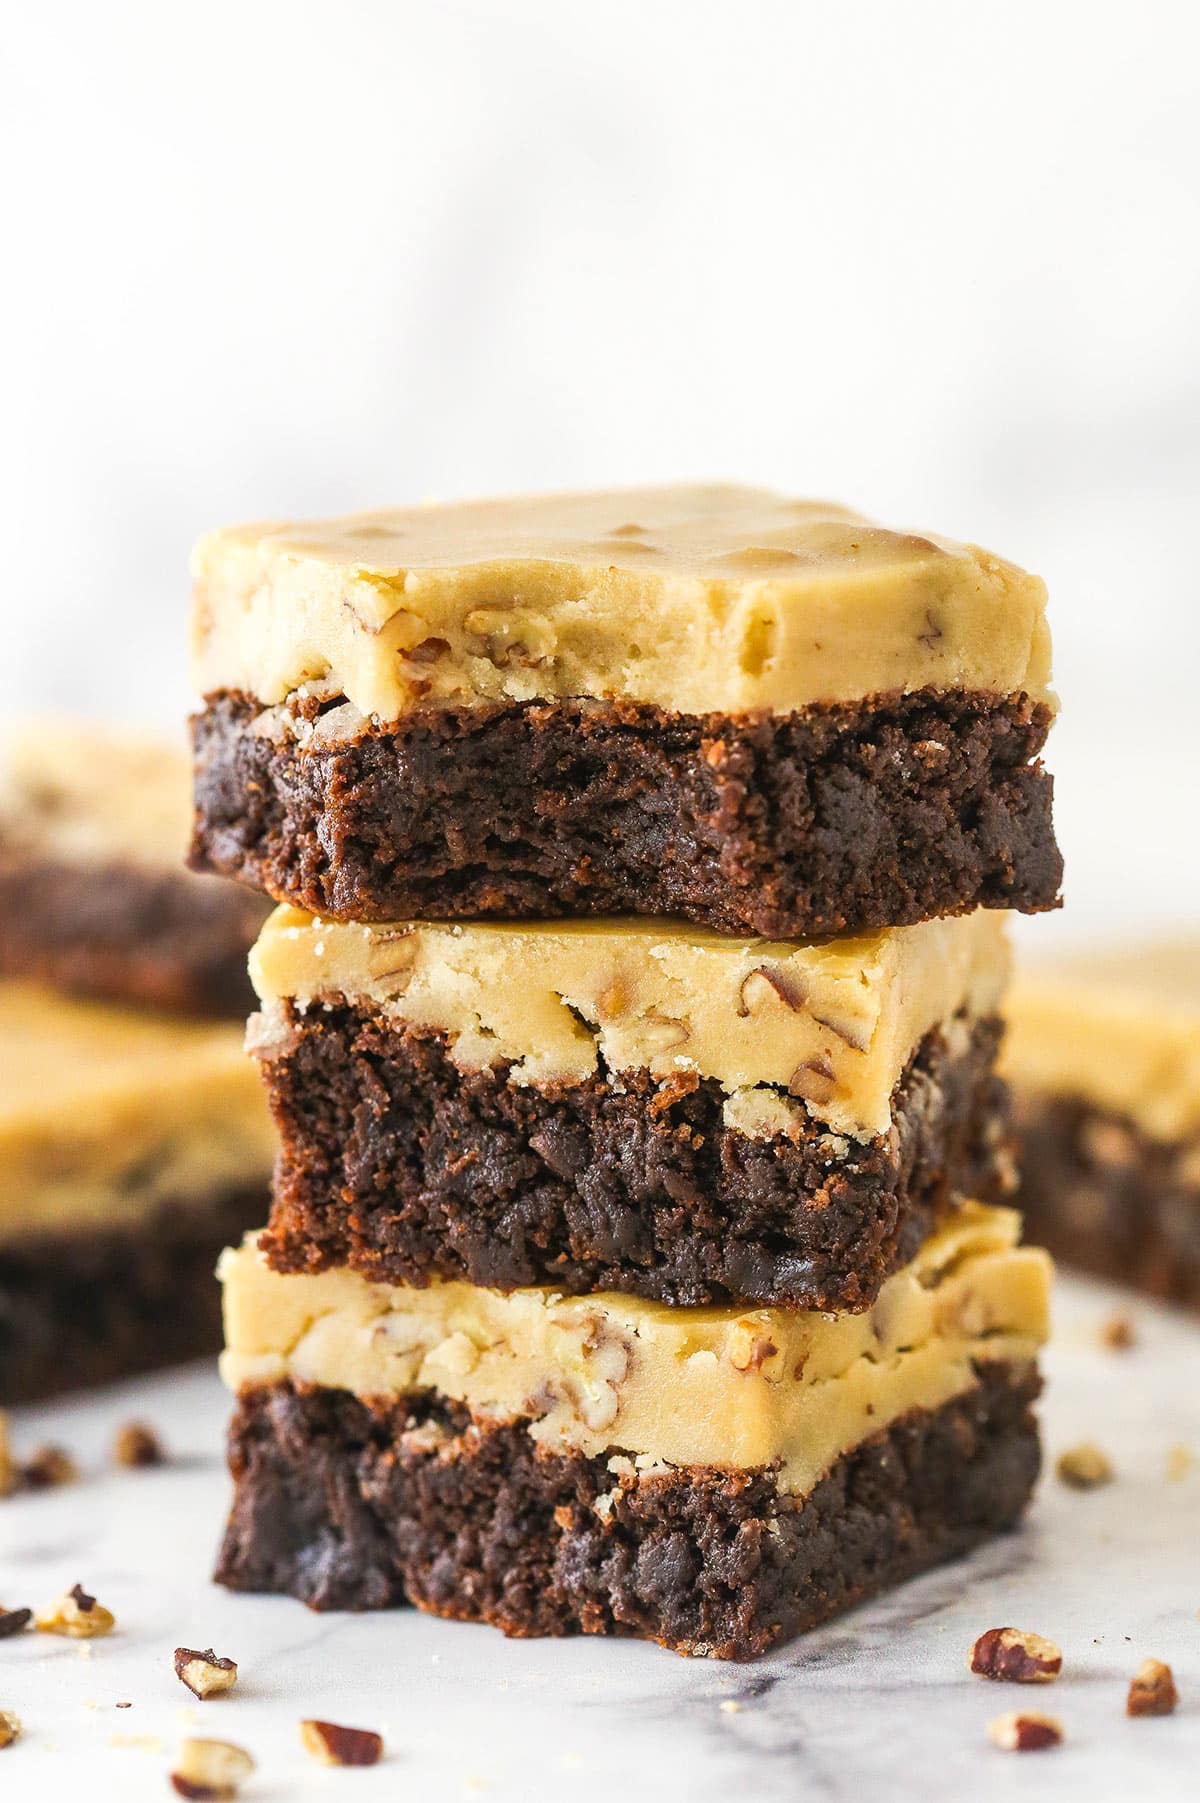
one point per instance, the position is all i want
(1025, 1731)
(1084, 1467)
(1180, 1460)
(1152, 1690)
(1117, 1332)
(1015, 1656)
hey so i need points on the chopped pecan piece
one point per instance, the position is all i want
(14, 1621)
(77, 1615)
(49, 1467)
(1085, 1467)
(210, 1771)
(8, 1471)
(137, 1445)
(1015, 1657)
(1027, 1731)
(1152, 1690)
(204, 1674)
(1117, 1333)
(334, 1745)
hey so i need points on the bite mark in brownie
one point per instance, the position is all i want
(396, 1162)
(90, 1307)
(837, 817)
(1107, 1198)
(352, 1505)
(158, 939)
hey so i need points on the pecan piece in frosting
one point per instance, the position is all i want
(765, 980)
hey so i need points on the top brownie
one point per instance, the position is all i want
(95, 897)
(755, 713)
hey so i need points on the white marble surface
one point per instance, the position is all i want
(878, 1705)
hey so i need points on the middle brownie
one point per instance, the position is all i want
(636, 1106)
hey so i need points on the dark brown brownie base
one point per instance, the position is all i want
(166, 939)
(88, 1308)
(399, 1164)
(1102, 1197)
(349, 1506)
(876, 813)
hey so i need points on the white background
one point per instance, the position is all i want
(938, 260)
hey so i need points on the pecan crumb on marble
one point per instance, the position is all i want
(48, 1467)
(203, 1673)
(10, 1727)
(8, 1471)
(1025, 1731)
(14, 1621)
(1152, 1690)
(334, 1745)
(1085, 1467)
(1180, 1460)
(77, 1615)
(1117, 1332)
(1015, 1657)
(137, 1445)
(210, 1771)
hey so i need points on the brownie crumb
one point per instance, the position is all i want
(14, 1621)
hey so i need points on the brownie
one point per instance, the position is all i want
(104, 1303)
(1106, 1198)
(163, 939)
(838, 816)
(349, 1505)
(406, 1168)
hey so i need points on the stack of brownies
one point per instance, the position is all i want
(630, 1021)
(134, 1140)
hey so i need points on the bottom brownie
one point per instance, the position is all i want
(90, 1307)
(351, 1505)
(1104, 1197)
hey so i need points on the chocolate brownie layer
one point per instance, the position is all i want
(88, 1308)
(396, 1162)
(351, 1506)
(1107, 1198)
(158, 939)
(840, 816)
